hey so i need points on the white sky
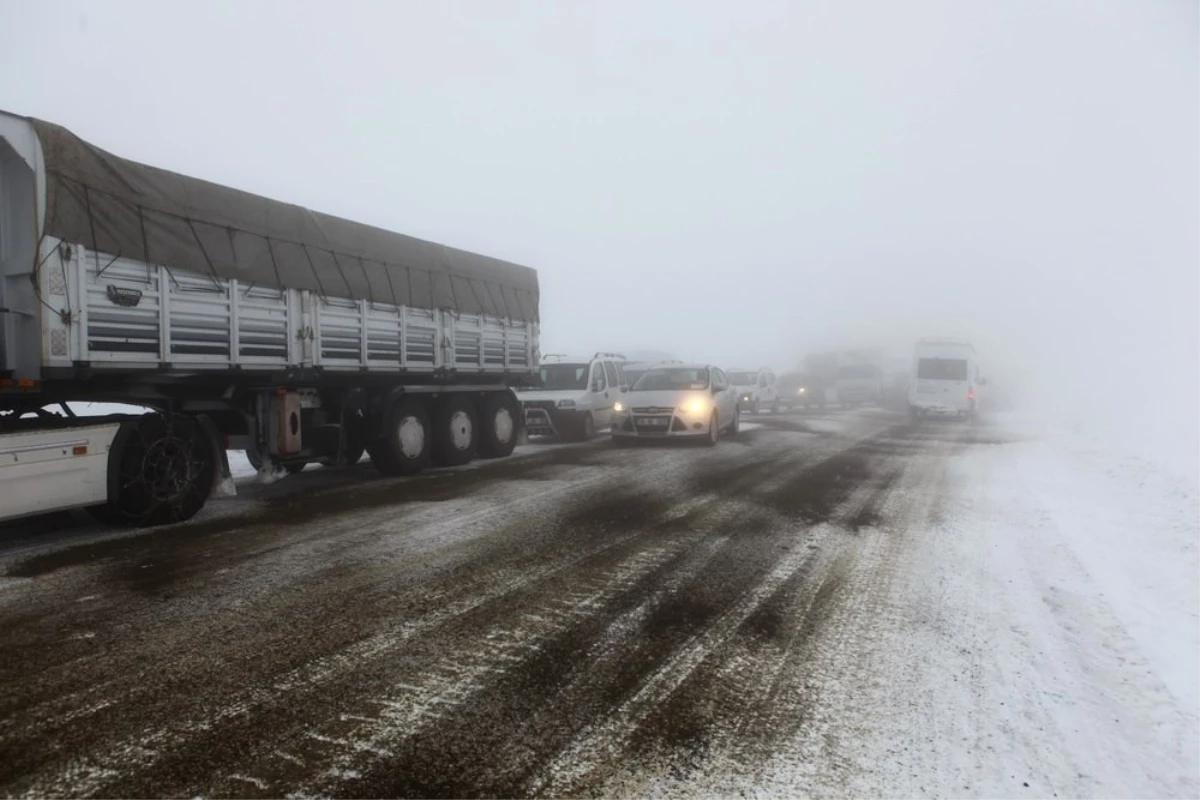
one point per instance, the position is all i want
(735, 182)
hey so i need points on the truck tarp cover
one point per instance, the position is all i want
(136, 211)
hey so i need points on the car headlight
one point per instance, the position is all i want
(746, 397)
(697, 405)
(566, 403)
(618, 407)
(800, 390)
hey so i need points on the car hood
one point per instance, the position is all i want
(668, 398)
(553, 395)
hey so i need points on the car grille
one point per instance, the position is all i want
(654, 410)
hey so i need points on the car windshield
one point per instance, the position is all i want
(743, 378)
(564, 376)
(672, 379)
(942, 369)
(632, 375)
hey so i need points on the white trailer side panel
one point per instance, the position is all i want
(121, 313)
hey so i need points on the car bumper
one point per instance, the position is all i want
(542, 421)
(940, 409)
(674, 427)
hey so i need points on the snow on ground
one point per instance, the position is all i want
(1051, 625)
(1040, 639)
(825, 425)
(239, 465)
(1090, 567)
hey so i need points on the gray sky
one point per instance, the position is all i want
(731, 183)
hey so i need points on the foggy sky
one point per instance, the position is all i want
(728, 183)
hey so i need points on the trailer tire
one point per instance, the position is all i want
(295, 466)
(498, 426)
(406, 439)
(161, 471)
(455, 431)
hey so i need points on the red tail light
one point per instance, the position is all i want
(971, 393)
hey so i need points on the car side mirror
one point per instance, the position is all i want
(716, 389)
(596, 387)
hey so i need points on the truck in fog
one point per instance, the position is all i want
(853, 374)
(242, 323)
(946, 379)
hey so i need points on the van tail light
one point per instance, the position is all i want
(971, 393)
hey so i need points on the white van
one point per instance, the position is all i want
(576, 396)
(756, 389)
(945, 379)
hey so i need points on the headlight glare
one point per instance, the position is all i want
(697, 405)
(566, 403)
(618, 407)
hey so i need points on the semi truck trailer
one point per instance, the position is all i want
(237, 322)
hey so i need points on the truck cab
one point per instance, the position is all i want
(858, 384)
(576, 396)
(756, 389)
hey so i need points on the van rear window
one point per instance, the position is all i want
(942, 369)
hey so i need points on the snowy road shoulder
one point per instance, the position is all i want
(1044, 636)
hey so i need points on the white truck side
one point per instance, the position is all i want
(54, 470)
(241, 322)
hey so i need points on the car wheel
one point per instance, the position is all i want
(736, 426)
(587, 428)
(714, 431)
(754, 408)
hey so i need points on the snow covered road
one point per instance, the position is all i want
(847, 605)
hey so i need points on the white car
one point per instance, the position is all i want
(755, 388)
(677, 401)
(576, 396)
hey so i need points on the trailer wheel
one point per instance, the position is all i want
(162, 471)
(406, 440)
(455, 431)
(498, 428)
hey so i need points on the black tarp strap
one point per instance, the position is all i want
(313, 267)
(370, 289)
(342, 272)
(213, 276)
(274, 265)
(387, 273)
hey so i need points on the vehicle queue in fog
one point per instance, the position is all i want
(581, 396)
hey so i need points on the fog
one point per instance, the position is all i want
(740, 185)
